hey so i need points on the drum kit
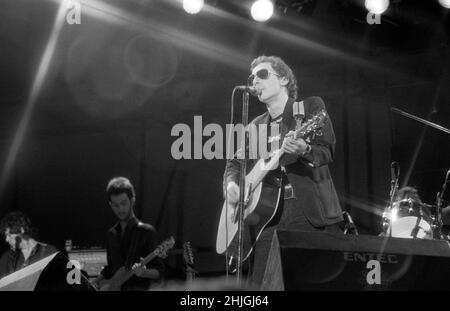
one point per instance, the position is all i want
(407, 216)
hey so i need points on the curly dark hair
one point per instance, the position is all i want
(119, 185)
(282, 69)
(407, 192)
(15, 221)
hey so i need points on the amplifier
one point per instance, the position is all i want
(91, 260)
(323, 261)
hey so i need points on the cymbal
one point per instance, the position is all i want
(429, 205)
(444, 204)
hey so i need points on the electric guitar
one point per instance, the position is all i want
(188, 257)
(260, 206)
(124, 274)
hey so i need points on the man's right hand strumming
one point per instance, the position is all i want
(232, 192)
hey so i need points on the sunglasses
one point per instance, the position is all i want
(262, 74)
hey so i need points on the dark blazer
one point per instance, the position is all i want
(309, 175)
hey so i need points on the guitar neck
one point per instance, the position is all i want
(149, 258)
(145, 261)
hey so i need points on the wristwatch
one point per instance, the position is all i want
(308, 150)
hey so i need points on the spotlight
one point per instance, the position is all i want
(445, 3)
(377, 6)
(262, 10)
(193, 6)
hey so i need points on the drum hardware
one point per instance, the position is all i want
(349, 225)
(439, 198)
(387, 216)
(436, 220)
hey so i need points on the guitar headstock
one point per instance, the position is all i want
(188, 254)
(313, 125)
(161, 250)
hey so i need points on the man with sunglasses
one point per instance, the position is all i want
(310, 201)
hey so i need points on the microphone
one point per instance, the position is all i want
(251, 89)
(18, 240)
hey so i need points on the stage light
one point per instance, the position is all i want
(377, 6)
(262, 10)
(445, 3)
(193, 6)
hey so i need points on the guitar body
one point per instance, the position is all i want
(261, 208)
(115, 283)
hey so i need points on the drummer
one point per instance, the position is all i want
(412, 193)
(407, 193)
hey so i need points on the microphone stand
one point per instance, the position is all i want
(242, 186)
(393, 192)
(436, 126)
(439, 198)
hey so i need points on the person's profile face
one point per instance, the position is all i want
(121, 205)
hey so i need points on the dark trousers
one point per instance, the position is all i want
(292, 218)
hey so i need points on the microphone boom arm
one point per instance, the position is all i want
(436, 126)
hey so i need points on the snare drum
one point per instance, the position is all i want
(410, 219)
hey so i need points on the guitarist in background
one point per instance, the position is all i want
(129, 240)
(308, 197)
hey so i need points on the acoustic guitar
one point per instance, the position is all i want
(260, 206)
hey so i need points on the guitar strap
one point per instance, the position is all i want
(298, 112)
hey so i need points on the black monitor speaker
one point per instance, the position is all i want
(324, 261)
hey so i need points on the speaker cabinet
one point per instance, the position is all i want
(323, 261)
